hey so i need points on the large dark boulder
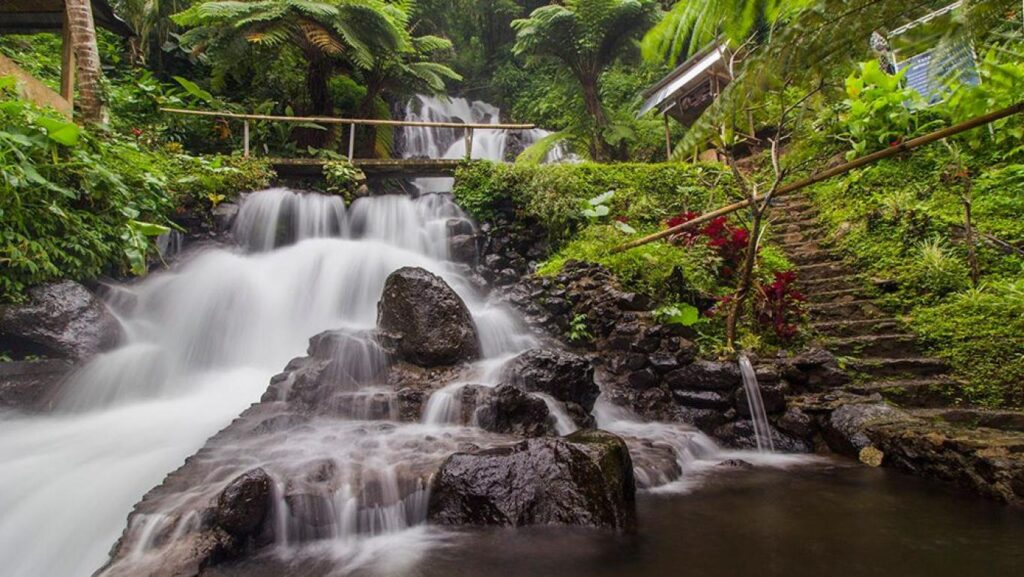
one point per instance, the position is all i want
(815, 368)
(585, 479)
(565, 376)
(706, 376)
(31, 385)
(510, 410)
(61, 319)
(424, 321)
(845, 431)
(244, 504)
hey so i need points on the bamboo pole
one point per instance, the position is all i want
(335, 120)
(834, 171)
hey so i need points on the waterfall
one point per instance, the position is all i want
(433, 142)
(203, 340)
(762, 430)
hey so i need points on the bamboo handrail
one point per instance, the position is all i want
(336, 120)
(834, 171)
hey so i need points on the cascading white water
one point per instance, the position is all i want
(762, 430)
(203, 341)
(430, 142)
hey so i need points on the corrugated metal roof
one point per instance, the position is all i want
(33, 16)
(683, 77)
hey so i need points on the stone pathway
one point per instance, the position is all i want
(980, 450)
(877, 348)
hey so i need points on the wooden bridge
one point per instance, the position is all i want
(311, 167)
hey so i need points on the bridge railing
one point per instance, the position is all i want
(351, 122)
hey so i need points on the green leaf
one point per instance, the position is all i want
(194, 89)
(624, 227)
(148, 228)
(60, 131)
(602, 198)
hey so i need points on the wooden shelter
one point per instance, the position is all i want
(42, 16)
(689, 89)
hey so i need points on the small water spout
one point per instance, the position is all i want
(762, 431)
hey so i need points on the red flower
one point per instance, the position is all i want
(136, 132)
(622, 219)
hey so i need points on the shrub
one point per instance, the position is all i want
(662, 270)
(77, 204)
(646, 194)
(980, 333)
(343, 178)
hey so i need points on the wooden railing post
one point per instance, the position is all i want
(469, 143)
(351, 141)
(245, 138)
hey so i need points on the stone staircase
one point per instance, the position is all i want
(878, 349)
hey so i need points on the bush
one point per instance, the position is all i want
(646, 194)
(662, 270)
(979, 332)
(77, 204)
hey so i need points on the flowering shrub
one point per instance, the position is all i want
(778, 305)
(728, 241)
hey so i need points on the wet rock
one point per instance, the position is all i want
(796, 422)
(244, 504)
(642, 379)
(845, 431)
(633, 301)
(706, 376)
(460, 226)
(224, 215)
(61, 319)
(565, 376)
(463, 248)
(706, 420)
(664, 362)
(31, 385)
(511, 410)
(585, 479)
(703, 399)
(815, 368)
(734, 464)
(740, 435)
(772, 396)
(424, 321)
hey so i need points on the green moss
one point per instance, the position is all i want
(981, 333)
(645, 194)
(659, 269)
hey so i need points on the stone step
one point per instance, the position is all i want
(849, 310)
(805, 257)
(901, 368)
(886, 345)
(915, 392)
(857, 327)
(798, 225)
(837, 295)
(798, 237)
(1003, 420)
(830, 283)
(822, 270)
(804, 245)
(794, 203)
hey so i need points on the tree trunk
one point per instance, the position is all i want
(87, 58)
(972, 255)
(592, 100)
(367, 141)
(318, 75)
(746, 276)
